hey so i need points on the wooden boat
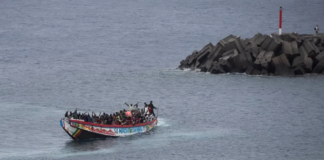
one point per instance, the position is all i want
(79, 130)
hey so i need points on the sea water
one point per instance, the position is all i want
(95, 55)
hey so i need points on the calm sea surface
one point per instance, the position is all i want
(57, 55)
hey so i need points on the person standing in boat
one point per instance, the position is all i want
(130, 106)
(152, 108)
(316, 29)
(146, 111)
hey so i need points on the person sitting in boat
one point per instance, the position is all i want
(136, 105)
(110, 119)
(99, 119)
(124, 118)
(130, 115)
(104, 118)
(84, 117)
(81, 117)
(75, 113)
(118, 118)
(147, 118)
(70, 115)
(139, 116)
(107, 119)
(137, 112)
(136, 108)
(117, 122)
(88, 118)
(113, 118)
(142, 119)
(142, 112)
(135, 120)
(93, 117)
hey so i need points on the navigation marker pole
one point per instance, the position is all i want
(280, 20)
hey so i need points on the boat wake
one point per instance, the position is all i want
(163, 123)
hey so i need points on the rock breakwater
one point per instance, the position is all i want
(282, 55)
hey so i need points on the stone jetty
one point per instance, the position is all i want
(282, 55)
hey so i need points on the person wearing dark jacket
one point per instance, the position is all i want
(152, 107)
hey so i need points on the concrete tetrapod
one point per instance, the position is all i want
(282, 55)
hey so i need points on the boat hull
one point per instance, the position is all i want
(80, 130)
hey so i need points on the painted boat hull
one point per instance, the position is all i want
(80, 130)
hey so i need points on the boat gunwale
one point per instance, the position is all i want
(113, 126)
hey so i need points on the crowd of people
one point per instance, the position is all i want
(134, 115)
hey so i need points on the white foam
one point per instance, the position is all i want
(186, 69)
(163, 123)
(205, 134)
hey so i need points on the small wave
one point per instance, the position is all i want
(186, 69)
